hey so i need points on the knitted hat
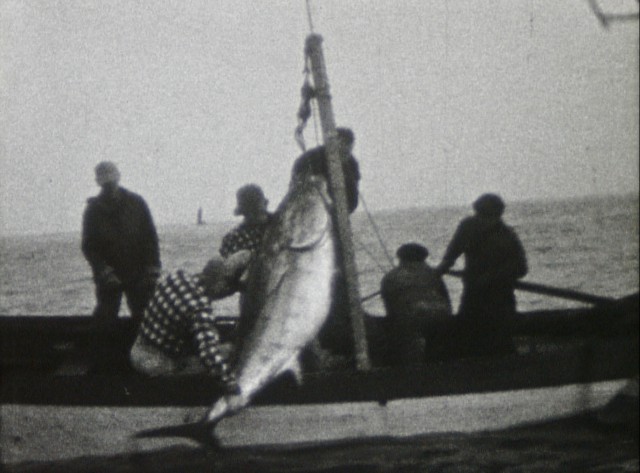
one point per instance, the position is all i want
(106, 172)
(248, 197)
(412, 252)
(490, 205)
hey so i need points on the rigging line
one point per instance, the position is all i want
(364, 248)
(309, 16)
(376, 230)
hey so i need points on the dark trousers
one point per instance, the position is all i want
(109, 347)
(109, 299)
(407, 345)
(486, 321)
(414, 339)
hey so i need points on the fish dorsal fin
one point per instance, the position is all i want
(310, 219)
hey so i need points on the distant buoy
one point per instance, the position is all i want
(200, 221)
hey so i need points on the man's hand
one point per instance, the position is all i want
(441, 269)
(109, 279)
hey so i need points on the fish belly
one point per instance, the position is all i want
(292, 296)
(291, 320)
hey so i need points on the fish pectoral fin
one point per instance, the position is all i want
(308, 227)
(296, 369)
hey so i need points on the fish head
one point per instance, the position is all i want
(309, 218)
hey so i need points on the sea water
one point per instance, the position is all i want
(586, 244)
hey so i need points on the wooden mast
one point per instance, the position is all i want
(313, 49)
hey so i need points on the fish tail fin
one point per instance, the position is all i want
(220, 409)
(295, 368)
(200, 431)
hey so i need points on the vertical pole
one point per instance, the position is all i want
(337, 186)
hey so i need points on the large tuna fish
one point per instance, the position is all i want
(286, 302)
(288, 292)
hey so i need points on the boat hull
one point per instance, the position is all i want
(46, 433)
(55, 406)
(539, 363)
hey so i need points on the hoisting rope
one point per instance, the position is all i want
(307, 93)
(362, 246)
(369, 253)
(376, 230)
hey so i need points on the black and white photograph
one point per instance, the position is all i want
(319, 236)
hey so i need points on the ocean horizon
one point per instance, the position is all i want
(588, 244)
(231, 221)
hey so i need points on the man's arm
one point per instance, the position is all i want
(444, 292)
(521, 267)
(91, 245)
(455, 248)
(151, 238)
(229, 244)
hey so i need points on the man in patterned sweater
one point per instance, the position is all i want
(178, 334)
(252, 205)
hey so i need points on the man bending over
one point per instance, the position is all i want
(178, 334)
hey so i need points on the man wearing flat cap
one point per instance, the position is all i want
(494, 260)
(417, 302)
(252, 205)
(120, 242)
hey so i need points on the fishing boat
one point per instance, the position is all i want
(568, 362)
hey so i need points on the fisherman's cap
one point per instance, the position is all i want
(346, 134)
(412, 252)
(489, 205)
(106, 171)
(248, 197)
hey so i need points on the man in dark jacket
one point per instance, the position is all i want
(314, 161)
(494, 260)
(120, 242)
(417, 305)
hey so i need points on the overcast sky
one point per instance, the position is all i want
(193, 98)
